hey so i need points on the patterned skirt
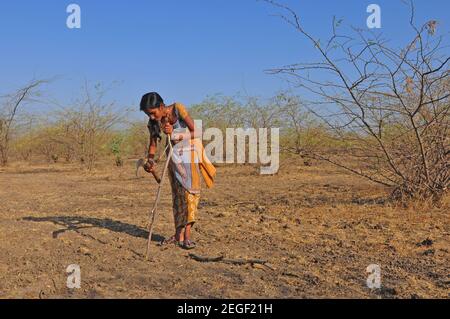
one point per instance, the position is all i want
(185, 204)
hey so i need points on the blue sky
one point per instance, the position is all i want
(184, 49)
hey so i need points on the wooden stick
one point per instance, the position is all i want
(227, 260)
(157, 178)
(205, 259)
(154, 211)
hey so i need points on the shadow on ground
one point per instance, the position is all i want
(74, 223)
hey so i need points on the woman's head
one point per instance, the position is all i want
(152, 104)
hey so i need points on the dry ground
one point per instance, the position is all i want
(317, 227)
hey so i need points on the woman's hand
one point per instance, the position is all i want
(167, 128)
(150, 166)
(177, 137)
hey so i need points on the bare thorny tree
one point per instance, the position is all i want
(9, 110)
(83, 126)
(386, 107)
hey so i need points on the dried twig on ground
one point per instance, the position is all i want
(222, 259)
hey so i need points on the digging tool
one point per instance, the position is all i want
(143, 162)
(160, 180)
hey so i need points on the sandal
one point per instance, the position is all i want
(188, 245)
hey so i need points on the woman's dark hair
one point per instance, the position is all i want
(152, 101)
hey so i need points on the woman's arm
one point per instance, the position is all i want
(168, 128)
(152, 148)
(149, 167)
(191, 125)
